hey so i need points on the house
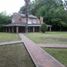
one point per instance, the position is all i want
(19, 23)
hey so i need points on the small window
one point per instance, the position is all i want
(13, 21)
(34, 21)
(20, 19)
(29, 21)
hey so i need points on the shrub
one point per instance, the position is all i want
(44, 28)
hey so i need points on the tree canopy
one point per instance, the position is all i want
(4, 19)
(51, 10)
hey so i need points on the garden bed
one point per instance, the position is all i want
(15, 55)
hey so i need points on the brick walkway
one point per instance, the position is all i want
(53, 45)
(40, 57)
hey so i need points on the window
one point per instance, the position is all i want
(34, 21)
(13, 21)
(29, 21)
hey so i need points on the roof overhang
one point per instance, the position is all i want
(10, 25)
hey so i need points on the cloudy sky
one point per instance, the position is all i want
(11, 6)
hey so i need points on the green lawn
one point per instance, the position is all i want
(14, 56)
(59, 54)
(49, 37)
(8, 37)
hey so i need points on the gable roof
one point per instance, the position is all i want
(23, 15)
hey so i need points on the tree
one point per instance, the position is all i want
(44, 28)
(26, 12)
(4, 19)
(51, 10)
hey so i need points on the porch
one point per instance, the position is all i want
(21, 29)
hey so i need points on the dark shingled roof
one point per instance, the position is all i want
(23, 15)
(30, 16)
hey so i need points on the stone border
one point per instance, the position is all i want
(53, 46)
(11, 42)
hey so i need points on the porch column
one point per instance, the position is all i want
(17, 29)
(50, 28)
(5, 29)
(40, 29)
(9, 29)
(33, 29)
(12, 29)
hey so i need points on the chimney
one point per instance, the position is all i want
(41, 20)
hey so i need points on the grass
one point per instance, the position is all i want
(8, 37)
(59, 54)
(14, 56)
(49, 37)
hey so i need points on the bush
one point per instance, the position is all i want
(44, 28)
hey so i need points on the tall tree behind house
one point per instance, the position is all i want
(27, 12)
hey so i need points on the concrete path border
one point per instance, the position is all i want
(53, 46)
(40, 57)
(11, 42)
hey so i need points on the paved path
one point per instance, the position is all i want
(40, 57)
(11, 42)
(53, 45)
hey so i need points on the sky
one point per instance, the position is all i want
(11, 6)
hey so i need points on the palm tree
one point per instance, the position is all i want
(27, 12)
